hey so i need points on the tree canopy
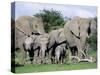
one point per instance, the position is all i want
(52, 19)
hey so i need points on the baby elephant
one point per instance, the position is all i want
(60, 53)
(28, 47)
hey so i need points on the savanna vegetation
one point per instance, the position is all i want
(52, 20)
(55, 67)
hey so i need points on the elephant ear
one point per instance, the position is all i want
(74, 27)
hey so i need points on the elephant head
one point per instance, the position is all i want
(26, 25)
(30, 24)
(82, 27)
(28, 43)
(37, 25)
(78, 30)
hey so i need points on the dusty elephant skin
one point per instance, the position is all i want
(62, 45)
(27, 25)
(21, 29)
(77, 31)
(40, 43)
(60, 53)
(27, 39)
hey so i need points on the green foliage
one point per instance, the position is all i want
(52, 19)
(93, 41)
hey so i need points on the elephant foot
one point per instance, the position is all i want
(53, 60)
(41, 62)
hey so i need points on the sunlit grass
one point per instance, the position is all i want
(55, 67)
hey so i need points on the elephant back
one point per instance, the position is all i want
(61, 35)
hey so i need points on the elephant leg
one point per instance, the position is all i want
(52, 60)
(68, 55)
(36, 56)
(27, 57)
(40, 56)
(57, 56)
(81, 53)
(75, 51)
(57, 59)
(31, 54)
(64, 57)
(61, 59)
(86, 49)
(52, 55)
(43, 56)
(22, 57)
(42, 52)
(34, 61)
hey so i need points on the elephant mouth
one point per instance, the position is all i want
(35, 33)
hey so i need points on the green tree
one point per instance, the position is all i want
(52, 19)
(93, 39)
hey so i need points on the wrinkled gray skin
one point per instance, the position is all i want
(26, 25)
(28, 43)
(42, 42)
(77, 31)
(56, 37)
(36, 45)
(28, 47)
(60, 53)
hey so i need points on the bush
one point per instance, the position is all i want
(93, 41)
(52, 19)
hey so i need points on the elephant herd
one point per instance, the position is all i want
(57, 45)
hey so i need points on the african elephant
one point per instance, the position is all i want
(76, 31)
(28, 47)
(38, 43)
(56, 37)
(23, 27)
(60, 53)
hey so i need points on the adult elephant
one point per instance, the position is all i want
(24, 26)
(56, 38)
(76, 31)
